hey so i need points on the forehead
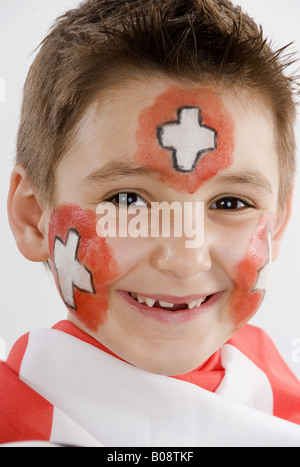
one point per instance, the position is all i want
(127, 123)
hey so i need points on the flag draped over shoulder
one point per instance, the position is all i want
(62, 386)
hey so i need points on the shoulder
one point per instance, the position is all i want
(259, 347)
(256, 345)
(24, 414)
(254, 342)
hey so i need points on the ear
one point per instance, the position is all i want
(281, 224)
(26, 218)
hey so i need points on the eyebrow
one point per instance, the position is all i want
(253, 178)
(113, 170)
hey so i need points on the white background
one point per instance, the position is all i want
(28, 296)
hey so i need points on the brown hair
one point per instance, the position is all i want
(101, 41)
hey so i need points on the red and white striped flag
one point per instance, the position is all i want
(62, 386)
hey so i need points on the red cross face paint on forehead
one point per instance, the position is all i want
(252, 274)
(82, 264)
(187, 136)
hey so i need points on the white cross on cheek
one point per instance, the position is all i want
(187, 138)
(71, 273)
(264, 275)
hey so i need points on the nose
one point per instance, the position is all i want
(172, 257)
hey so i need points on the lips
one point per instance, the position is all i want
(168, 308)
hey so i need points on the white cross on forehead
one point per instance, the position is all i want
(71, 273)
(187, 138)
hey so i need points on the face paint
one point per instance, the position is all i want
(187, 136)
(82, 263)
(252, 275)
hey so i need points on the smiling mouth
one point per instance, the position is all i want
(171, 309)
(151, 302)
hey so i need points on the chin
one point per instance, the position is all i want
(180, 358)
(170, 370)
(170, 366)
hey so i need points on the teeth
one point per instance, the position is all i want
(140, 299)
(150, 302)
(195, 303)
(166, 304)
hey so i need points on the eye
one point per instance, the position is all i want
(230, 203)
(127, 199)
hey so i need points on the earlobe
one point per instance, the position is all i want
(281, 225)
(26, 218)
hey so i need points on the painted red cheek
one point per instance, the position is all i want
(94, 258)
(165, 109)
(246, 298)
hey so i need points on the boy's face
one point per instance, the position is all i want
(154, 302)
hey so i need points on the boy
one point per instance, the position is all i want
(130, 105)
